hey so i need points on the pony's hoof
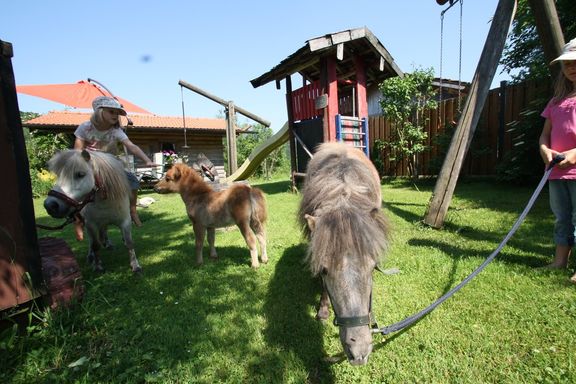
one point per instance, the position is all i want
(322, 315)
(137, 271)
(255, 265)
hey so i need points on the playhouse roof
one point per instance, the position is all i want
(378, 62)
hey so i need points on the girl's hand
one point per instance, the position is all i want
(547, 155)
(569, 161)
(152, 164)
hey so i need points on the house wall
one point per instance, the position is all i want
(374, 95)
(212, 146)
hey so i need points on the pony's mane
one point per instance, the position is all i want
(342, 194)
(195, 181)
(106, 167)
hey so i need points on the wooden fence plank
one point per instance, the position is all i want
(518, 98)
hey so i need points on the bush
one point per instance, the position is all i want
(42, 182)
(404, 101)
(523, 163)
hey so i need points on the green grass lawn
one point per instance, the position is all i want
(227, 323)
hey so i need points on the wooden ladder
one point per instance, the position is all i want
(353, 130)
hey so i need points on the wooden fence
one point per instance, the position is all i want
(491, 139)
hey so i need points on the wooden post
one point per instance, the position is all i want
(290, 111)
(361, 87)
(549, 30)
(230, 122)
(20, 263)
(231, 137)
(479, 89)
(331, 110)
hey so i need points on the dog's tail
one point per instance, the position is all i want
(259, 210)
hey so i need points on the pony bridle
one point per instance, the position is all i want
(354, 321)
(79, 205)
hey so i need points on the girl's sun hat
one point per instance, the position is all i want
(108, 102)
(568, 52)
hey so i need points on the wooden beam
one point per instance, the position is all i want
(224, 102)
(479, 89)
(340, 51)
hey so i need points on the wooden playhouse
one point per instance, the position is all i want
(339, 71)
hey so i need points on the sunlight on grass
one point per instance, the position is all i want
(225, 322)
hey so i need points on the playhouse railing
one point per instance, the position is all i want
(303, 102)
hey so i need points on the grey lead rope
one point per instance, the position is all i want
(412, 319)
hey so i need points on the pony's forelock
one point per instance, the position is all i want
(363, 235)
(341, 192)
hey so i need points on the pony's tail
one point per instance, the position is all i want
(258, 204)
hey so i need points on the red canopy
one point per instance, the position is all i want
(77, 95)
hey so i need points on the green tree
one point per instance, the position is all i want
(40, 147)
(523, 55)
(404, 101)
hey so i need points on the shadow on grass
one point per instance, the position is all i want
(522, 240)
(291, 327)
(178, 319)
(276, 187)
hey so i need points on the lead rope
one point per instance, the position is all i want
(412, 319)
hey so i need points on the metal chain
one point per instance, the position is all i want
(460, 62)
(441, 55)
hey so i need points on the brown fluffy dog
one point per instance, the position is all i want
(208, 209)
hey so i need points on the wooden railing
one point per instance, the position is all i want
(303, 102)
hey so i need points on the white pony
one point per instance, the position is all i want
(94, 185)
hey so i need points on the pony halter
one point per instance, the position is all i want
(353, 321)
(78, 205)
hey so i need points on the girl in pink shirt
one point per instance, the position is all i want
(559, 137)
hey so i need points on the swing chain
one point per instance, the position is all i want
(459, 54)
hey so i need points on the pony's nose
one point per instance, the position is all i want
(358, 348)
(358, 355)
(53, 208)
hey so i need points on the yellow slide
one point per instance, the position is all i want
(258, 155)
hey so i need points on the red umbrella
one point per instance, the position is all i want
(77, 95)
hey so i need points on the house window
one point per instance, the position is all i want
(167, 147)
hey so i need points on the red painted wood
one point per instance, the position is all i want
(362, 101)
(332, 109)
(303, 102)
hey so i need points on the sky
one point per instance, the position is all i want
(140, 50)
